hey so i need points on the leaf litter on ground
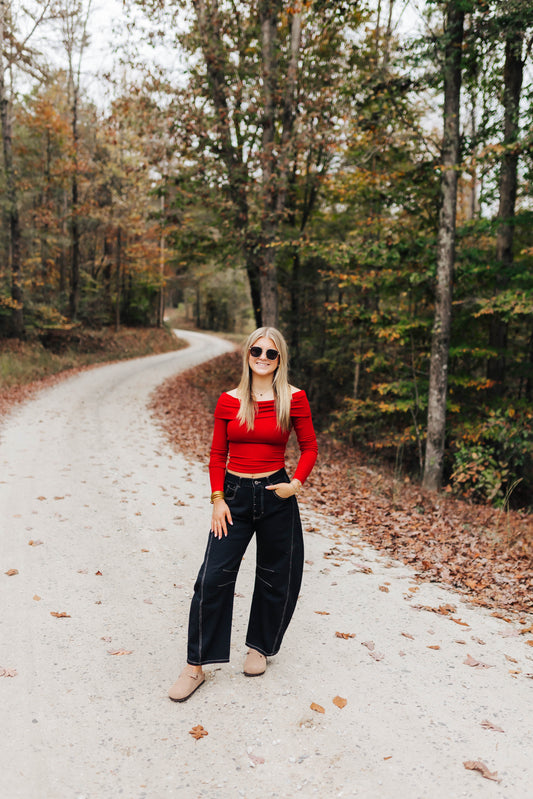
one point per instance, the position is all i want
(480, 551)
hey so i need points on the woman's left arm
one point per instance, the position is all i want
(305, 433)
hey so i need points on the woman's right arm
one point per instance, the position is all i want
(217, 471)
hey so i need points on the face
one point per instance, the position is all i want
(261, 366)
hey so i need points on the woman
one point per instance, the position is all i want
(251, 493)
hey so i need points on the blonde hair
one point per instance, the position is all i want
(280, 382)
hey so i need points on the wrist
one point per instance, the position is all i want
(216, 496)
(297, 486)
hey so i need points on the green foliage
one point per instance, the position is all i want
(492, 456)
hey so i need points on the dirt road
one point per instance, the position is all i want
(118, 524)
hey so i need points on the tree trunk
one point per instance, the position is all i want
(440, 343)
(512, 78)
(74, 225)
(14, 236)
(118, 273)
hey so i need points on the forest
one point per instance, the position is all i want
(356, 173)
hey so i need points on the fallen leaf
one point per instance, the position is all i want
(510, 659)
(434, 646)
(198, 732)
(470, 661)
(147, 550)
(462, 623)
(488, 725)
(478, 640)
(369, 644)
(41, 499)
(318, 708)
(119, 651)
(37, 598)
(256, 759)
(498, 615)
(345, 635)
(377, 655)
(442, 610)
(340, 702)
(322, 612)
(83, 571)
(388, 757)
(148, 601)
(359, 567)
(478, 765)
(408, 635)
(35, 543)
(8, 672)
(458, 641)
(106, 638)
(12, 572)
(384, 589)
(62, 615)
(529, 643)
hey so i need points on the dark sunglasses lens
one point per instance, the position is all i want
(255, 352)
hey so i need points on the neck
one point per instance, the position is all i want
(262, 386)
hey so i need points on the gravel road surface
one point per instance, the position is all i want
(118, 524)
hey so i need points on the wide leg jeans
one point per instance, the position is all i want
(279, 566)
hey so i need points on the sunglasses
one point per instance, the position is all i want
(256, 352)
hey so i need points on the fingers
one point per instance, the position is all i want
(218, 523)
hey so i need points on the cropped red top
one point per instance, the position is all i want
(263, 448)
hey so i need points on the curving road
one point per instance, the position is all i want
(123, 522)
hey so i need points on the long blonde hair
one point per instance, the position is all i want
(280, 382)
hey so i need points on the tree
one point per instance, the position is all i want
(512, 87)
(258, 73)
(438, 373)
(14, 51)
(73, 17)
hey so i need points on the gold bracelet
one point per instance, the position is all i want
(216, 495)
(298, 485)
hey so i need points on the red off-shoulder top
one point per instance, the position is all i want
(261, 449)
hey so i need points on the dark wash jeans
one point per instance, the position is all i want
(279, 566)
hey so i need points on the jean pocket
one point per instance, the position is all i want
(230, 491)
(281, 499)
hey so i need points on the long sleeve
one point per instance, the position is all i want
(305, 433)
(219, 448)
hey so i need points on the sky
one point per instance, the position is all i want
(108, 16)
